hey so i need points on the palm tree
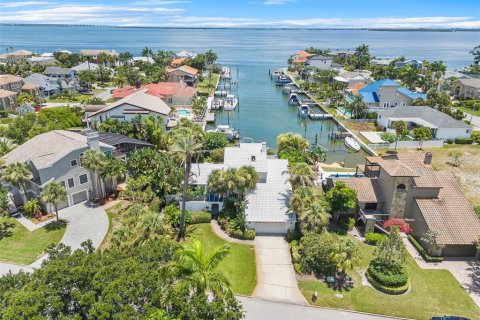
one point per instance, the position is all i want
(291, 141)
(400, 127)
(113, 170)
(6, 145)
(188, 145)
(195, 270)
(54, 193)
(315, 218)
(247, 179)
(409, 76)
(32, 207)
(302, 175)
(120, 80)
(316, 154)
(146, 52)
(301, 199)
(94, 160)
(346, 255)
(18, 174)
(357, 107)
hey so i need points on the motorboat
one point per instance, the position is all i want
(228, 131)
(283, 80)
(293, 100)
(276, 74)
(221, 93)
(230, 103)
(286, 89)
(303, 110)
(352, 144)
(217, 104)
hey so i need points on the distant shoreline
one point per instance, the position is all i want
(247, 28)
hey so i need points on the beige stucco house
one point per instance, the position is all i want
(468, 88)
(406, 186)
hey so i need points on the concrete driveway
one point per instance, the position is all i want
(275, 275)
(84, 222)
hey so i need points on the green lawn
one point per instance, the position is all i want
(207, 85)
(78, 99)
(469, 111)
(238, 267)
(18, 245)
(433, 292)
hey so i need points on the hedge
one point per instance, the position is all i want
(463, 141)
(381, 275)
(385, 289)
(200, 217)
(249, 234)
(373, 238)
(423, 253)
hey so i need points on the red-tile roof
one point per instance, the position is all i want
(160, 90)
(368, 190)
(177, 62)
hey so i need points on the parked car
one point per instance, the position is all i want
(449, 318)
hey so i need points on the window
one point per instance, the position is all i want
(83, 179)
(71, 183)
(401, 188)
(253, 159)
(386, 104)
(73, 162)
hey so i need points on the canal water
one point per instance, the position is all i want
(263, 111)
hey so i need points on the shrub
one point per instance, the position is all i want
(173, 215)
(421, 250)
(463, 140)
(249, 234)
(293, 156)
(314, 254)
(216, 155)
(374, 238)
(293, 235)
(200, 217)
(385, 289)
(346, 223)
(389, 277)
(215, 140)
(476, 136)
(402, 225)
(389, 137)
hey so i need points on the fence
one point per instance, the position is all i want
(408, 144)
(360, 120)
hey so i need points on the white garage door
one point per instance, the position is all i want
(269, 228)
(79, 197)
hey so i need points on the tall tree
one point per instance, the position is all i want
(54, 193)
(400, 128)
(422, 134)
(17, 174)
(476, 54)
(302, 175)
(341, 198)
(95, 160)
(346, 255)
(188, 145)
(146, 52)
(113, 170)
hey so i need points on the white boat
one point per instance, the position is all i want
(303, 110)
(230, 103)
(221, 93)
(228, 131)
(352, 144)
(217, 104)
(293, 99)
(276, 74)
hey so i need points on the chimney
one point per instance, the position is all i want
(138, 84)
(428, 158)
(264, 147)
(93, 139)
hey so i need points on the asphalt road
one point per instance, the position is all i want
(258, 309)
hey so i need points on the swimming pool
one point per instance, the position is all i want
(344, 111)
(184, 113)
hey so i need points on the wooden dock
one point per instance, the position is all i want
(210, 117)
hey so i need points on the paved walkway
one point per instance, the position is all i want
(220, 233)
(84, 222)
(258, 309)
(465, 269)
(276, 279)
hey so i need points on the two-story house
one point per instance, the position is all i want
(467, 88)
(406, 186)
(10, 88)
(387, 93)
(319, 61)
(267, 206)
(57, 156)
(60, 73)
(184, 74)
(15, 56)
(94, 53)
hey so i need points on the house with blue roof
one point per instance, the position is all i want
(387, 93)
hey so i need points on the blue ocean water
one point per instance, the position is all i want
(263, 112)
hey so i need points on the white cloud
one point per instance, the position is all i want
(155, 2)
(276, 2)
(22, 4)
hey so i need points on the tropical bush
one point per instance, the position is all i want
(389, 277)
(476, 136)
(389, 137)
(386, 289)
(346, 223)
(373, 238)
(463, 140)
(215, 140)
(293, 156)
(401, 224)
(200, 217)
(312, 253)
(215, 156)
(173, 215)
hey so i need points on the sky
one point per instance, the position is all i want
(248, 13)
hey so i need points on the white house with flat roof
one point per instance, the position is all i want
(267, 206)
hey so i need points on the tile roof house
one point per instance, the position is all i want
(86, 66)
(126, 109)
(387, 93)
(15, 56)
(411, 62)
(468, 88)
(185, 54)
(267, 208)
(300, 56)
(443, 126)
(59, 72)
(172, 93)
(184, 73)
(320, 62)
(48, 86)
(56, 156)
(11, 87)
(406, 186)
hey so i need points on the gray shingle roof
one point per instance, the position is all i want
(57, 71)
(436, 118)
